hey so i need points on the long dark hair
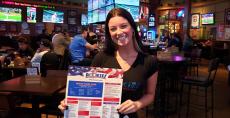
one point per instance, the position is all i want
(110, 46)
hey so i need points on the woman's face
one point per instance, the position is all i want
(120, 30)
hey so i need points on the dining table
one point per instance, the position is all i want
(45, 86)
(170, 68)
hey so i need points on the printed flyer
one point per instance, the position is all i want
(93, 92)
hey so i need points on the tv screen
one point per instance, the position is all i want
(108, 8)
(95, 16)
(84, 19)
(128, 2)
(101, 14)
(108, 2)
(207, 19)
(31, 15)
(53, 16)
(95, 4)
(10, 14)
(134, 10)
(90, 17)
(101, 3)
(90, 7)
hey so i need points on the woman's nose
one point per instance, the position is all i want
(119, 32)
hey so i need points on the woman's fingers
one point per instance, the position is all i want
(62, 106)
(127, 107)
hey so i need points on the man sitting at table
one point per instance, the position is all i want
(45, 46)
(78, 48)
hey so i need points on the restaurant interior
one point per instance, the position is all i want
(190, 40)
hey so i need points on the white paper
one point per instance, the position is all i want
(93, 92)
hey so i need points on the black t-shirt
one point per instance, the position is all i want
(134, 79)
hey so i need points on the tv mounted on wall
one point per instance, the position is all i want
(31, 15)
(207, 19)
(10, 14)
(53, 16)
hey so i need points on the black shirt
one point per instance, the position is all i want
(134, 79)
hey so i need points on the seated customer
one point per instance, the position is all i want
(78, 48)
(25, 51)
(45, 46)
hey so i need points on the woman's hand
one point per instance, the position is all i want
(129, 106)
(62, 106)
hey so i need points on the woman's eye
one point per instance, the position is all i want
(113, 29)
(123, 26)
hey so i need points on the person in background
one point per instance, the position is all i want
(78, 48)
(45, 46)
(175, 41)
(123, 50)
(60, 43)
(25, 51)
(163, 39)
(187, 44)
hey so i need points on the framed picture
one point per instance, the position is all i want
(2, 27)
(227, 16)
(195, 21)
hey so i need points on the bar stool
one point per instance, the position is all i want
(204, 82)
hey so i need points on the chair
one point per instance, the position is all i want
(49, 61)
(7, 104)
(51, 108)
(195, 58)
(199, 81)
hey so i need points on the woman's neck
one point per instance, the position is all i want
(126, 52)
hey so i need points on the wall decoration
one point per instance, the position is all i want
(195, 21)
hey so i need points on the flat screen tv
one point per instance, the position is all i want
(128, 2)
(207, 19)
(101, 3)
(109, 2)
(10, 14)
(90, 7)
(90, 17)
(84, 19)
(31, 14)
(134, 10)
(95, 16)
(53, 16)
(95, 4)
(108, 8)
(101, 14)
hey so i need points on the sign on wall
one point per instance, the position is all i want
(195, 20)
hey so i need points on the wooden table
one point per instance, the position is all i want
(168, 77)
(47, 87)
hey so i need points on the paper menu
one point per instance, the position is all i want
(93, 92)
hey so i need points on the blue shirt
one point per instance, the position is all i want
(77, 49)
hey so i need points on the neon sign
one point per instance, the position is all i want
(26, 4)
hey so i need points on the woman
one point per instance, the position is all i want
(123, 49)
(45, 46)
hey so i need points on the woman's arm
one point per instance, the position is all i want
(130, 106)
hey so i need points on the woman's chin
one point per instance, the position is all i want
(122, 43)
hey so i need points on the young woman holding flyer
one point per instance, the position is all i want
(123, 49)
